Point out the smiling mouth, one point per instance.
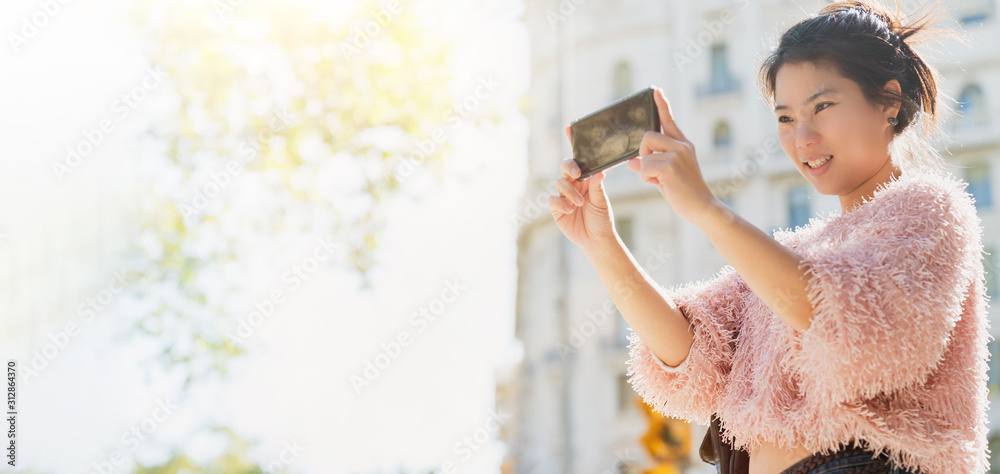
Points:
(819, 162)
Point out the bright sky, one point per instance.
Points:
(439, 389)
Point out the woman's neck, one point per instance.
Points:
(853, 199)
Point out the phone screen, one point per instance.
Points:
(612, 135)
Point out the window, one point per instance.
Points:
(622, 80)
(978, 177)
(798, 207)
(720, 69)
(974, 11)
(722, 141)
(721, 137)
(972, 111)
(721, 80)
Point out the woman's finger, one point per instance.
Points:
(649, 167)
(635, 164)
(569, 168)
(667, 116)
(568, 190)
(560, 204)
(657, 142)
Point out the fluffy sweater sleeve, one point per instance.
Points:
(886, 299)
(692, 390)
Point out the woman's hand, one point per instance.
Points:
(668, 161)
(581, 210)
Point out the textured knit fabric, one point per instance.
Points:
(896, 354)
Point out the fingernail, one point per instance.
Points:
(576, 170)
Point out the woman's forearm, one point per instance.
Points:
(660, 326)
(769, 269)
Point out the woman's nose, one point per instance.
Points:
(806, 135)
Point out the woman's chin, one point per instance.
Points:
(822, 188)
(824, 192)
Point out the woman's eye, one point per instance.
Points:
(782, 119)
(820, 106)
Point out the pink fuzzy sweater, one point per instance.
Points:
(895, 357)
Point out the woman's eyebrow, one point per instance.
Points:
(810, 99)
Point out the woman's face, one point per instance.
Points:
(822, 114)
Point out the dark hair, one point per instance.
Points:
(866, 43)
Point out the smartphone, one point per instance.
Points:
(612, 135)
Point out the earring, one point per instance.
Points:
(893, 121)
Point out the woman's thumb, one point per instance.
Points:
(596, 190)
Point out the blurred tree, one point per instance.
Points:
(232, 461)
(280, 128)
(279, 123)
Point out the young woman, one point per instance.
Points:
(858, 341)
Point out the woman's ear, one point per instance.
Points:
(893, 88)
